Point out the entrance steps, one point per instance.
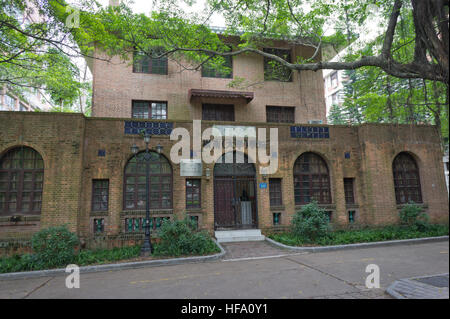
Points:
(230, 236)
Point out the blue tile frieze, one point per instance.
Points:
(310, 132)
(153, 128)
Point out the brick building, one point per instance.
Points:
(67, 168)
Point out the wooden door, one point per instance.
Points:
(224, 206)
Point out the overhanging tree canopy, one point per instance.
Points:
(254, 21)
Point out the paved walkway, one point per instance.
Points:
(253, 249)
(325, 275)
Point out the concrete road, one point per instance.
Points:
(338, 274)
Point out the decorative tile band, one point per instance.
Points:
(153, 128)
(310, 132)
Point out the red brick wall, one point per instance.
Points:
(69, 145)
(115, 86)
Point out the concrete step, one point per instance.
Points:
(228, 236)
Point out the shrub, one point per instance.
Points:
(311, 222)
(179, 237)
(54, 247)
(412, 216)
(343, 237)
(101, 256)
(17, 263)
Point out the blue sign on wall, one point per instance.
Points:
(262, 185)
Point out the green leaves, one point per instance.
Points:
(36, 50)
(179, 237)
(54, 247)
(310, 223)
(364, 235)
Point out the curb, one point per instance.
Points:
(391, 291)
(360, 245)
(416, 290)
(112, 267)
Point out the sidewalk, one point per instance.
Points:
(426, 287)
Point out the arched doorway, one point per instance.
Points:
(234, 194)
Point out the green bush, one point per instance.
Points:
(311, 222)
(101, 256)
(54, 247)
(343, 237)
(412, 216)
(179, 237)
(18, 263)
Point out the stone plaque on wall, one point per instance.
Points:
(191, 167)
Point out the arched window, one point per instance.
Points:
(21, 181)
(160, 193)
(406, 179)
(311, 180)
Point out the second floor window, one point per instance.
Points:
(218, 112)
(145, 63)
(334, 79)
(10, 102)
(280, 114)
(149, 110)
(274, 70)
(210, 71)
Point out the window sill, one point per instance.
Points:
(99, 213)
(142, 212)
(217, 77)
(150, 73)
(323, 206)
(194, 210)
(273, 208)
(23, 218)
(278, 81)
(423, 205)
(349, 206)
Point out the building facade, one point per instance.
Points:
(30, 100)
(333, 82)
(80, 171)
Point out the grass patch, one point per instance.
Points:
(367, 235)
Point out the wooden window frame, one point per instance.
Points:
(191, 190)
(321, 178)
(275, 192)
(280, 114)
(210, 72)
(268, 69)
(349, 190)
(160, 191)
(94, 195)
(149, 111)
(403, 179)
(216, 112)
(154, 66)
(20, 183)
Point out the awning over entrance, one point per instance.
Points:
(248, 96)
